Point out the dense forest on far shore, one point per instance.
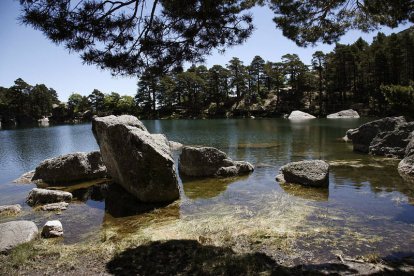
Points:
(376, 79)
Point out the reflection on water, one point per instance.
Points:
(367, 208)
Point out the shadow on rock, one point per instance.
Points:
(309, 193)
(204, 188)
(188, 257)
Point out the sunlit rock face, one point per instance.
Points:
(135, 159)
(313, 173)
(344, 114)
(209, 161)
(299, 115)
(43, 196)
(13, 233)
(69, 168)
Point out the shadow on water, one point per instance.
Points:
(202, 188)
(309, 193)
(189, 257)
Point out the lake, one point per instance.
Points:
(367, 210)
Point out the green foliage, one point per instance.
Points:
(400, 98)
(127, 37)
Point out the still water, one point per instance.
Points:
(368, 208)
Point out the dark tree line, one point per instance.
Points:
(374, 79)
(23, 103)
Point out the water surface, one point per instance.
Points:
(367, 209)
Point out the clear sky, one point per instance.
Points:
(26, 53)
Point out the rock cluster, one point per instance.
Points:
(208, 161)
(314, 173)
(71, 167)
(14, 233)
(344, 114)
(363, 136)
(299, 115)
(140, 162)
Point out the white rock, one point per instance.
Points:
(52, 228)
(299, 115)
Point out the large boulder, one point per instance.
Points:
(362, 136)
(299, 115)
(43, 196)
(14, 233)
(71, 167)
(392, 143)
(314, 173)
(344, 114)
(140, 162)
(209, 161)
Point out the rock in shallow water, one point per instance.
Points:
(344, 114)
(52, 229)
(363, 136)
(14, 233)
(314, 173)
(55, 206)
(43, 196)
(138, 161)
(10, 209)
(299, 115)
(71, 167)
(208, 161)
(406, 166)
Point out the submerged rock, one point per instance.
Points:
(71, 167)
(392, 143)
(10, 209)
(42, 196)
(209, 161)
(314, 173)
(52, 229)
(25, 178)
(59, 206)
(344, 114)
(299, 115)
(14, 233)
(362, 136)
(138, 161)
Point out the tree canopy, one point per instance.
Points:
(130, 35)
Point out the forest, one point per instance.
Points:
(372, 79)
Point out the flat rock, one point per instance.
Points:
(59, 206)
(299, 115)
(52, 229)
(209, 161)
(10, 209)
(362, 136)
(314, 173)
(43, 196)
(73, 167)
(344, 114)
(140, 162)
(14, 233)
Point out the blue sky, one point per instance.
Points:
(26, 53)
